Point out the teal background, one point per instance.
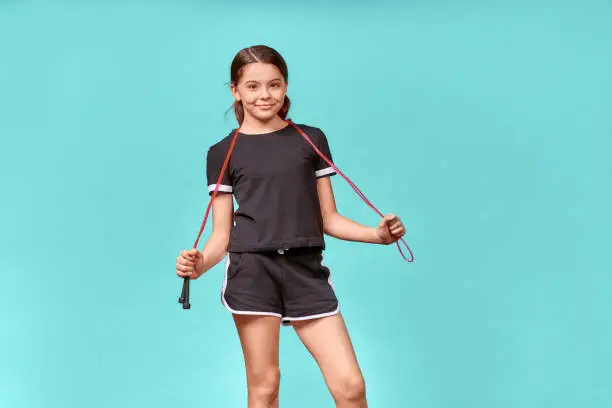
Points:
(484, 125)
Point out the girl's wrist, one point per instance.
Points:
(376, 238)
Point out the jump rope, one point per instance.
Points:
(184, 298)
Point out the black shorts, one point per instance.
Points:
(291, 284)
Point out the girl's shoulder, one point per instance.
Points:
(315, 132)
(223, 143)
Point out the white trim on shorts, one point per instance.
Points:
(287, 320)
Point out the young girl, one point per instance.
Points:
(274, 271)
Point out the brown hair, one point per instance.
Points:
(257, 53)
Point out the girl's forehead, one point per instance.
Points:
(259, 71)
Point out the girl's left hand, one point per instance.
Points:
(390, 229)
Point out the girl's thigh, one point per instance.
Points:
(259, 337)
(328, 341)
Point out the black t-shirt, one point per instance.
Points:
(273, 177)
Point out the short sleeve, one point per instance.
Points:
(322, 167)
(214, 162)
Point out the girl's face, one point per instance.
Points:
(261, 89)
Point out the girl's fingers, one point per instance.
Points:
(184, 261)
(183, 271)
(393, 221)
(187, 255)
(397, 231)
(185, 264)
(390, 218)
(395, 225)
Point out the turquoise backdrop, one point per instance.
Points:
(484, 124)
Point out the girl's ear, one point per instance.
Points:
(234, 91)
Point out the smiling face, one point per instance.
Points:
(261, 88)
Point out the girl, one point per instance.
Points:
(274, 272)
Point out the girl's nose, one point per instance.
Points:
(264, 93)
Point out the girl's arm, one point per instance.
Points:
(215, 248)
(389, 230)
(193, 263)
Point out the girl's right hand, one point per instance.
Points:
(190, 264)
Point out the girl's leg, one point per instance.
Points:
(259, 339)
(328, 341)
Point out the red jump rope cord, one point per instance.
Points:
(225, 163)
(355, 188)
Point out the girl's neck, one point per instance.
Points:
(254, 126)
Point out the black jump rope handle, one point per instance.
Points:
(184, 299)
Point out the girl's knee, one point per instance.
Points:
(264, 385)
(349, 388)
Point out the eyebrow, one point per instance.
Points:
(256, 82)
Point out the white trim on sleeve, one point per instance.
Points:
(324, 172)
(222, 187)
